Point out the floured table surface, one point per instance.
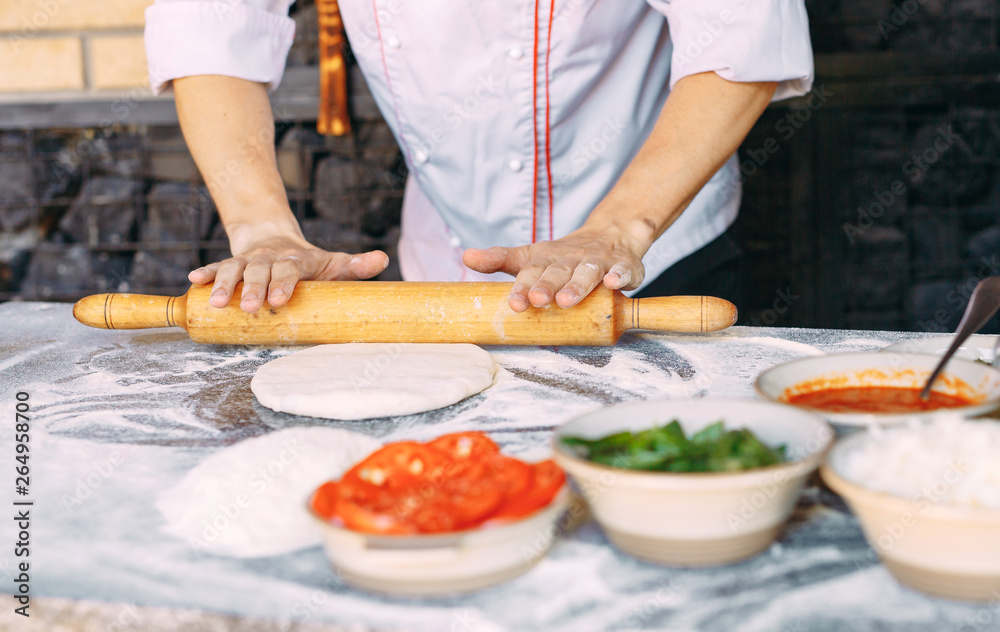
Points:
(118, 416)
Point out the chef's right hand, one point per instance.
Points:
(271, 266)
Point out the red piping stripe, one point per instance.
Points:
(534, 119)
(548, 150)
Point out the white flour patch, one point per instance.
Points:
(779, 343)
(249, 500)
(862, 344)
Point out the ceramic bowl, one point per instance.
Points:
(442, 564)
(695, 519)
(976, 381)
(976, 347)
(945, 551)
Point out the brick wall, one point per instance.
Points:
(73, 46)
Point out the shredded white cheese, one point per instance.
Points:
(948, 462)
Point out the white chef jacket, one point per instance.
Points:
(516, 117)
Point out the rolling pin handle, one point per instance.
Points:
(684, 314)
(131, 311)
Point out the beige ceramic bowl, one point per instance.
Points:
(946, 551)
(442, 564)
(977, 381)
(696, 519)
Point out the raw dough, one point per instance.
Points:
(249, 500)
(364, 380)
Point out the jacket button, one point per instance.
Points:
(515, 164)
(515, 53)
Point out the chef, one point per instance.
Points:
(566, 143)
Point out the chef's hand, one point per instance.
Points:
(270, 267)
(565, 270)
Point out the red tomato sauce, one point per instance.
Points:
(876, 399)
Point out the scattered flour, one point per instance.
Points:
(249, 500)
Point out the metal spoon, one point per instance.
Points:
(984, 302)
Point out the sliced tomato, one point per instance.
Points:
(381, 494)
(512, 477)
(373, 518)
(548, 479)
(472, 500)
(451, 505)
(325, 499)
(465, 445)
(410, 487)
(398, 465)
(454, 482)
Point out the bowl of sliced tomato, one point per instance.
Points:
(446, 516)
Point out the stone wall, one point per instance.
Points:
(123, 207)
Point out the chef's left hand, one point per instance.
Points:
(565, 270)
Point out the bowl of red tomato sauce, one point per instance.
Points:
(440, 517)
(882, 388)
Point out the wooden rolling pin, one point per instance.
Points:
(370, 311)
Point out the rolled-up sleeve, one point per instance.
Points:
(246, 39)
(741, 40)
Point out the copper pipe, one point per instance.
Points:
(334, 118)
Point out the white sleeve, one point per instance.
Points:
(248, 39)
(741, 40)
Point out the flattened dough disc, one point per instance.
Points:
(364, 380)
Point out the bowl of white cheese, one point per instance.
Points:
(928, 500)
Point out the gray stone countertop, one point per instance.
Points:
(118, 416)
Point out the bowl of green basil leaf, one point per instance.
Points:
(692, 482)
